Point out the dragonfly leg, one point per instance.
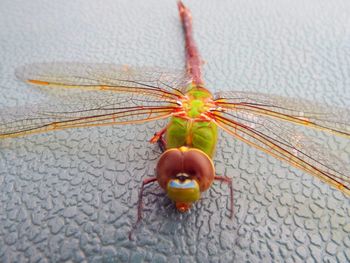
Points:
(227, 180)
(140, 203)
(162, 144)
(158, 138)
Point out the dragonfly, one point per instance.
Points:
(107, 94)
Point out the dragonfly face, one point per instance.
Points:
(184, 173)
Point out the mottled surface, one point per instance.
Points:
(71, 195)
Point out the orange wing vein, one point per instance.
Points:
(98, 95)
(281, 128)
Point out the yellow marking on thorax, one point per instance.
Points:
(194, 108)
(183, 148)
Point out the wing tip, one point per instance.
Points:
(24, 72)
(20, 73)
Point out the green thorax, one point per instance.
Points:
(196, 103)
(198, 92)
(190, 131)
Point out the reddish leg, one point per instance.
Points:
(194, 61)
(162, 144)
(140, 204)
(158, 138)
(227, 180)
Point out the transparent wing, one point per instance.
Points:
(107, 94)
(268, 123)
(297, 111)
(153, 82)
(83, 110)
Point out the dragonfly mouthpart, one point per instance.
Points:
(183, 207)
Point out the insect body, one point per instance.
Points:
(116, 95)
(186, 168)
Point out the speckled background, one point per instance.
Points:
(71, 195)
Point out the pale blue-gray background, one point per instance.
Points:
(71, 195)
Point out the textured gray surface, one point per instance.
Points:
(71, 195)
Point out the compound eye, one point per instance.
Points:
(199, 166)
(169, 165)
(185, 163)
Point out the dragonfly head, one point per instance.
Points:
(184, 173)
